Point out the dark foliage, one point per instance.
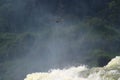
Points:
(28, 24)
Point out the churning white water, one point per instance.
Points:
(108, 72)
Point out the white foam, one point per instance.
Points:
(81, 73)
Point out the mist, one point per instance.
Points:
(56, 46)
(58, 34)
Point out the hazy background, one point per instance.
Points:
(39, 35)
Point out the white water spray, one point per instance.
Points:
(108, 72)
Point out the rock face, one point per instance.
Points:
(108, 72)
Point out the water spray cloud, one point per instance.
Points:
(107, 72)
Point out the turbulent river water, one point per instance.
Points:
(109, 72)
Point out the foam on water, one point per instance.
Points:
(108, 72)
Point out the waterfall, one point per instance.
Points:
(108, 72)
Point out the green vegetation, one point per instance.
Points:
(100, 33)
